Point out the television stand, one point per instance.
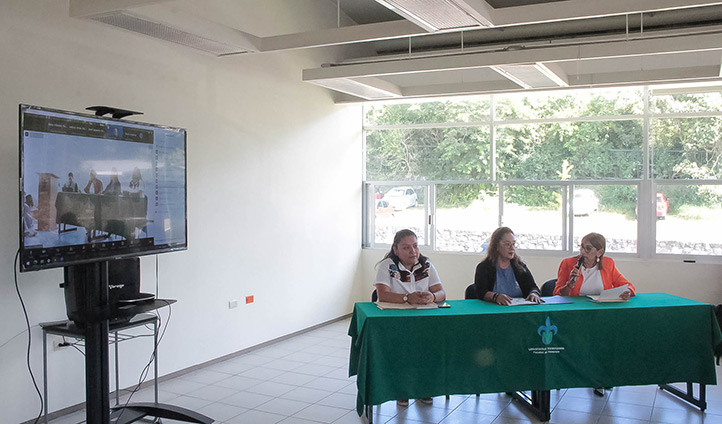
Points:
(136, 410)
(93, 318)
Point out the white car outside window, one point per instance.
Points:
(401, 198)
(585, 202)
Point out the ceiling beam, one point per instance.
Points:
(616, 79)
(368, 88)
(344, 35)
(692, 73)
(639, 47)
(478, 87)
(554, 72)
(518, 15)
(583, 9)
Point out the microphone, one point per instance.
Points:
(577, 266)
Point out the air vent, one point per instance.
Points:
(436, 15)
(531, 76)
(164, 32)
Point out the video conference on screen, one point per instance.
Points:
(91, 185)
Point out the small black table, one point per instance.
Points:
(96, 358)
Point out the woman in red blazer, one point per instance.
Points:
(591, 271)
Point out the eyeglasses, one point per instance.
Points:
(508, 244)
(588, 248)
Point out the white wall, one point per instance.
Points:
(274, 194)
(702, 282)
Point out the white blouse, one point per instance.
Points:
(391, 275)
(591, 281)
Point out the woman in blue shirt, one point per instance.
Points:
(502, 276)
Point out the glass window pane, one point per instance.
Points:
(580, 150)
(397, 208)
(471, 109)
(428, 153)
(686, 148)
(534, 213)
(466, 215)
(570, 104)
(609, 210)
(688, 218)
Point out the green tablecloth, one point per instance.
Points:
(478, 347)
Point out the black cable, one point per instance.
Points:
(144, 372)
(74, 345)
(30, 337)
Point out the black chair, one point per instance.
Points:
(470, 292)
(548, 287)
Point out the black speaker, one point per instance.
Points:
(92, 291)
(123, 280)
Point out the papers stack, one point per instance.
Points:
(611, 295)
(548, 300)
(389, 305)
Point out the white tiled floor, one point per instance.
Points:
(303, 379)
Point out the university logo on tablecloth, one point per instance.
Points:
(547, 331)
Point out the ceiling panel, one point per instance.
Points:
(610, 42)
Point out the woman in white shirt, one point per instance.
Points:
(407, 276)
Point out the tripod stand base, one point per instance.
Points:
(137, 410)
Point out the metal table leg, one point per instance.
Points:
(117, 384)
(45, 375)
(688, 396)
(539, 403)
(155, 358)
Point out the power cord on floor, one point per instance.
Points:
(30, 337)
(146, 369)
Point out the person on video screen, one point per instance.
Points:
(95, 183)
(113, 187)
(29, 221)
(136, 186)
(70, 185)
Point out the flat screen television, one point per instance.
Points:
(95, 189)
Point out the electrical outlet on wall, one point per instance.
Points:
(58, 343)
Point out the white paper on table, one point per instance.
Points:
(516, 301)
(611, 295)
(389, 305)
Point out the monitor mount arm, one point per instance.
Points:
(113, 111)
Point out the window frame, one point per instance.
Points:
(647, 186)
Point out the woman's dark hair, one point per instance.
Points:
(492, 252)
(400, 235)
(600, 243)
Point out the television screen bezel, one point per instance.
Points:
(101, 255)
